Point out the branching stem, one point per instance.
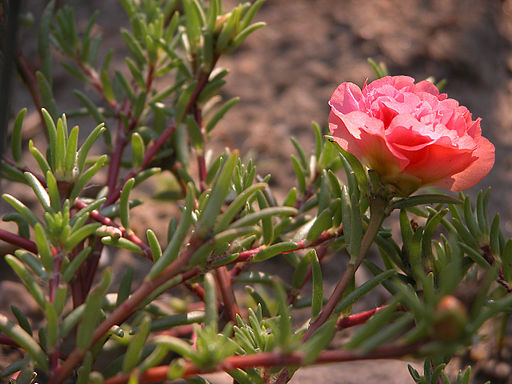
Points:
(378, 211)
(270, 359)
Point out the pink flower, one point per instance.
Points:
(410, 134)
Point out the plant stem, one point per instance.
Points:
(378, 211)
(270, 359)
(292, 296)
(130, 306)
(358, 318)
(301, 244)
(148, 156)
(17, 240)
(228, 295)
(96, 215)
(115, 159)
(28, 76)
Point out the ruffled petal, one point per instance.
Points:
(346, 98)
(483, 161)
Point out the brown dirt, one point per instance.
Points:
(286, 72)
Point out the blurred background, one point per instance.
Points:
(286, 72)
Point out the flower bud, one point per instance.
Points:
(450, 319)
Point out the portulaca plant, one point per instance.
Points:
(383, 144)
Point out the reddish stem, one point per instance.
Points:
(130, 306)
(310, 191)
(197, 290)
(17, 240)
(179, 331)
(271, 359)
(292, 296)
(115, 159)
(358, 318)
(27, 73)
(96, 215)
(41, 179)
(6, 340)
(91, 266)
(378, 211)
(328, 308)
(302, 244)
(227, 293)
(95, 82)
(148, 156)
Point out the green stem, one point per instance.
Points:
(378, 212)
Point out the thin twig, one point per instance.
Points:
(148, 157)
(227, 292)
(271, 359)
(28, 76)
(130, 306)
(358, 318)
(17, 240)
(301, 244)
(97, 216)
(377, 214)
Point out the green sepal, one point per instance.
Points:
(228, 29)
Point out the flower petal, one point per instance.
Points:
(346, 98)
(484, 160)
